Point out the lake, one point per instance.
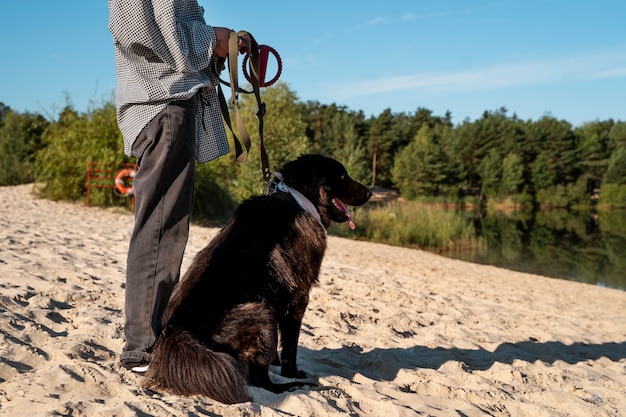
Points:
(587, 247)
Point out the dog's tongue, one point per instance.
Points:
(341, 206)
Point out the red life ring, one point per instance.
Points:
(123, 178)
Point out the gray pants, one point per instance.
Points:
(163, 186)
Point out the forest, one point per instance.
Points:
(497, 158)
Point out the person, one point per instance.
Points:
(169, 116)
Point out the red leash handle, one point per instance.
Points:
(264, 51)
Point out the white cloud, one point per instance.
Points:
(596, 66)
(612, 73)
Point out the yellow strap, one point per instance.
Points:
(243, 143)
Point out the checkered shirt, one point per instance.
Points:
(163, 53)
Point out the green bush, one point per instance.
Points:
(70, 144)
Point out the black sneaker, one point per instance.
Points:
(137, 366)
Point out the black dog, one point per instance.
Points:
(251, 283)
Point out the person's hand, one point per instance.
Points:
(221, 47)
(244, 42)
(222, 35)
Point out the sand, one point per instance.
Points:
(388, 332)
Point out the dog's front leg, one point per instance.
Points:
(289, 334)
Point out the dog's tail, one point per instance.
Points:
(183, 366)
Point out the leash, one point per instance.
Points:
(264, 52)
(256, 59)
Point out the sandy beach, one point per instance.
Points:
(388, 332)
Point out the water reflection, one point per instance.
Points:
(587, 247)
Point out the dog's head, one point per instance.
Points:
(326, 183)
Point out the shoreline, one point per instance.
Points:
(388, 331)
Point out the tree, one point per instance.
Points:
(616, 169)
(555, 141)
(380, 145)
(541, 173)
(421, 168)
(490, 170)
(349, 147)
(424, 117)
(512, 175)
(321, 130)
(473, 141)
(617, 136)
(20, 140)
(593, 151)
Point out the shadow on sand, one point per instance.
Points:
(384, 364)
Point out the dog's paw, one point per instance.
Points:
(297, 374)
(301, 375)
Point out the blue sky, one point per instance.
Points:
(562, 57)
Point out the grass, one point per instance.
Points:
(412, 224)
